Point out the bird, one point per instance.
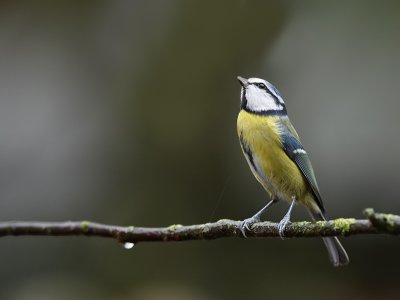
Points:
(278, 160)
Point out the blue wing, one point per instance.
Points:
(295, 150)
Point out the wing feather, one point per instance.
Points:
(295, 150)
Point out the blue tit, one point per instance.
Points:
(277, 158)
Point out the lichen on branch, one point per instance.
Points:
(375, 223)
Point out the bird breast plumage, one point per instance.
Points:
(262, 147)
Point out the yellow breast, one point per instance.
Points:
(279, 175)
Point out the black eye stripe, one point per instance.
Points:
(264, 87)
(260, 85)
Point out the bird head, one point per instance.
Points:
(260, 97)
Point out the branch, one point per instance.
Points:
(375, 223)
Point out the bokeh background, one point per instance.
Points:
(124, 112)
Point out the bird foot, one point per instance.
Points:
(282, 226)
(247, 223)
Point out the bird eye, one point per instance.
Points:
(261, 85)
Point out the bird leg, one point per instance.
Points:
(286, 219)
(246, 224)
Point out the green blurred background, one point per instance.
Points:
(124, 112)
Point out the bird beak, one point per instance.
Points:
(243, 81)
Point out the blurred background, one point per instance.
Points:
(124, 112)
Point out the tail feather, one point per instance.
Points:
(336, 252)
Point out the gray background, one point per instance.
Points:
(125, 112)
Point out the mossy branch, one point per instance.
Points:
(374, 224)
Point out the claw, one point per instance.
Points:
(282, 226)
(286, 220)
(246, 225)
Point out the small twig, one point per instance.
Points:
(376, 223)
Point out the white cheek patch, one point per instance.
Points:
(260, 100)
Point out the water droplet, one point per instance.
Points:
(128, 245)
